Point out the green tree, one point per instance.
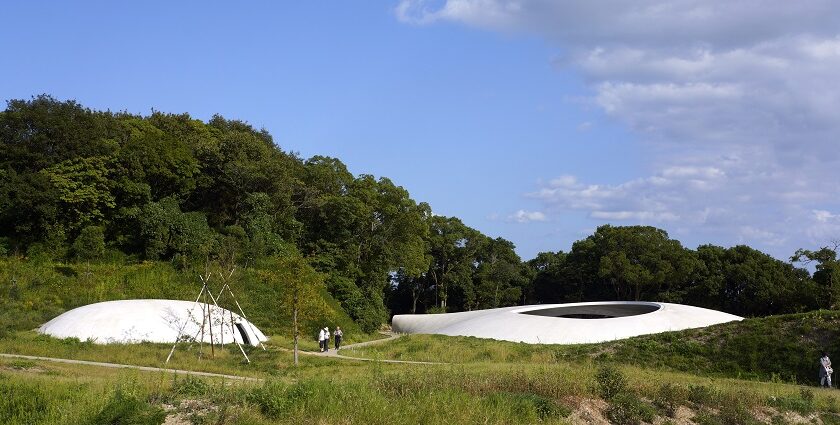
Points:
(166, 231)
(500, 277)
(827, 272)
(299, 284)
(90, 244)
(453, 248)
(641, 262)
(83, 189)
(629, 263)
(756, 284)
(548, 281)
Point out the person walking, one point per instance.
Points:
(326, 339)
(825, 370)
(337, 336)
(321, 340)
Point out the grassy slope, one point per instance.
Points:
(490, 382)
(494, 383)
(32, 293)
(329, 391)
(780, 347)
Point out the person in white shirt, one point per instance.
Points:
(337, 336)
(321, 339)
(326, 339)
(825, 370)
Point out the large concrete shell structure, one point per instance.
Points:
(575, 323)
(132, 321)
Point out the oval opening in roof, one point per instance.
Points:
(596, 311)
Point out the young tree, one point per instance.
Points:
(300, 285)
(90, 244)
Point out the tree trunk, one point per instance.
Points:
(414, 299)
(294, 318)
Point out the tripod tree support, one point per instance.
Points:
(215, 316)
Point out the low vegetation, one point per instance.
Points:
(333, 391)
(98, 206)
(776, 348)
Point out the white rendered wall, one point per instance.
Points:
(131, 321)
(512, 324)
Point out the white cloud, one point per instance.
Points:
(737, 100)
(750, 234)
(824, 216)
(523, 216)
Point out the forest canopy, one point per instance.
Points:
(83, 185)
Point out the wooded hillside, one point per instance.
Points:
(98, 186)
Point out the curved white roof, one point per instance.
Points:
(131, 321)
(574, 323)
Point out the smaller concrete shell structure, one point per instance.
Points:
(575, 323)
(132, 321)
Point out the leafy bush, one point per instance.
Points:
(276, 399)
(270, 398)
(627, 409)
(831, 405)
(190, 386)
(529, 405)
(830, 419)
(90, 244)
(610, 382)
(669, 397)
(733, 412)
(128, 409)
(702, 395)
(803, 403)
(21, 403)
(706, 418)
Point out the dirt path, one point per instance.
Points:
(332, 354)
(337, 353)
(126, 366)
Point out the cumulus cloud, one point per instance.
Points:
(737, 100)
(523, 216)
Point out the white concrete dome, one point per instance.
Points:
(132, 321)
(574, 323)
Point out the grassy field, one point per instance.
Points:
(776, 348)
(739, 373)
(485, 382)
(325, 390)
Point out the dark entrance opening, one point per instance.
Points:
(241, 328)
(595, 311)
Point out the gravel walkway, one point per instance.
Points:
(127, 366)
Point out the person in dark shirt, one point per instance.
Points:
(337, 335)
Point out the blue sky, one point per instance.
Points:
(531, 120)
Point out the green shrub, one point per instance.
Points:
(270, 398)
(807, 395)
(830, 419)
(778, 420)
(628, 409)
(128, 409)
(90, 244)
(706, 418)
(527, 405)
(276, 399)
(831, 405)
(669, 397)
(733, 412)
(190, 386)
(803, 403)
(702, 395)
(21, 403)
(610, 382)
